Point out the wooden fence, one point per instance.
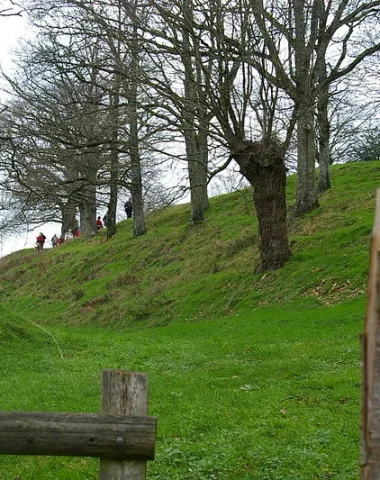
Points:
(370, 441)
(122, 436)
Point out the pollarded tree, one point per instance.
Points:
(237, 97)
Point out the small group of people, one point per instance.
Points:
(55, 240)
(104, 223)
(69, 235)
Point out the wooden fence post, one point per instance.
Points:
(370, 441)
(124, 393)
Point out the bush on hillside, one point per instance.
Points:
(367, 146)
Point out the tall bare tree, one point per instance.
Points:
(64, 129)
(316, 35)
(236, 97)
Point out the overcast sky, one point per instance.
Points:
(11, 29)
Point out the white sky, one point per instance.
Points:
(11, 29)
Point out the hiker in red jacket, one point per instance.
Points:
(99, 223)
(40, 241)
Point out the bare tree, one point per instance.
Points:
(325, 41)
(237, 98)
(233, 76)
(60, 130)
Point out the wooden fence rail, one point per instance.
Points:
(122, 436)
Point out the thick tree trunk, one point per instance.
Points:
(69, 220)
(263, 165)
(324, 182)
(195, 124)
(139, 227)
(198, 189)
(306, 195)
(88, 216)
(87, 206)
(197, 157)
(114, 165)
(203, 165)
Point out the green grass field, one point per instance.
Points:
(252, 376)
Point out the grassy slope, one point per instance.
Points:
(266, 386)
(180, 273)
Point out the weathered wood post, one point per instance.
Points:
(124, 393)
(122, 436)
(370, 442)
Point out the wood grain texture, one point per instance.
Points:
(77, 434)
(124, 393)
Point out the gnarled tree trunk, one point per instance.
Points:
(263, 165)
(69, 221)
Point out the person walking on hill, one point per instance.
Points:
(69, 235)
(54, 240)
(40, 240)
(99, 223)
(128, 208)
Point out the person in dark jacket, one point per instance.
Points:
(54, 240)
(128, 208)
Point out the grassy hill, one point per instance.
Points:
(252, 376)
(181, 273)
